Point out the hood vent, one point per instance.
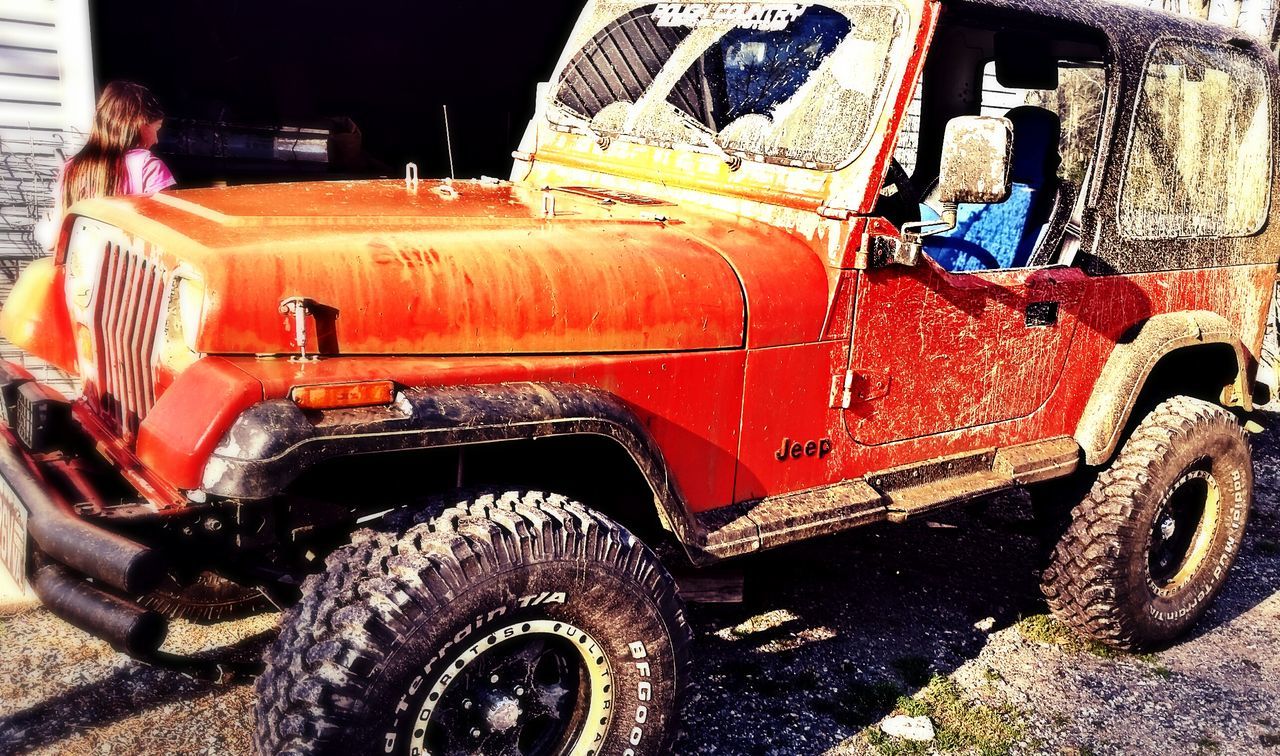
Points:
(612, 195)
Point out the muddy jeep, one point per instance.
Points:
(762, 272)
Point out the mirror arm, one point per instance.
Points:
(917, 231)
(908, 250)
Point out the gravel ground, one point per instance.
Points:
(937, 619)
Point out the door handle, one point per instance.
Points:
(1041, 314)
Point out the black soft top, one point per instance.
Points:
(1130, 28)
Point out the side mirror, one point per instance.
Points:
(977, 154)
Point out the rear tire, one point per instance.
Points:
(1151, 544)
(521, 623)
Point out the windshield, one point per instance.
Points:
(792, 83)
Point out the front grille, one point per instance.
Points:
(126, 322)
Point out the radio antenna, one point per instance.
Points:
(448, 142)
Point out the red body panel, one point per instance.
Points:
(956, 349)
(789, 390)
(190, 418)
(721, 307)
(690, 403)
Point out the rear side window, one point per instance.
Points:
(1200, 160)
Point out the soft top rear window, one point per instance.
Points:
(1200, 158)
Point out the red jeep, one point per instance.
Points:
(763, 272)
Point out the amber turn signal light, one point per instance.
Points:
(338, 395)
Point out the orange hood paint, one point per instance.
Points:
(447, 269)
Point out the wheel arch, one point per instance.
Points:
(273, 444)
(1144, 368)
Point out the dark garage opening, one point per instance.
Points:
(231, 73)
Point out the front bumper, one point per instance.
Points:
(83, 572)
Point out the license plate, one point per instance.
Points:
(13, 536)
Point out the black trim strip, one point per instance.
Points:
(272, 443)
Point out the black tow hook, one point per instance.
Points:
(128, 627)
(69, 539)
(120, 622)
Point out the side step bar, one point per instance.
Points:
(926, 487)
(778, 520)
(896, 495)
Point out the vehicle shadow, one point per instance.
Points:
(130, 689)
(832, 632)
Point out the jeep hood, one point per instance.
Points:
(461, 268)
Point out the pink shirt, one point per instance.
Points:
(146, 173)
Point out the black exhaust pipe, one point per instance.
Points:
(125, 625)
(67, 538)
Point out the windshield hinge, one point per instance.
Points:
(835, 213)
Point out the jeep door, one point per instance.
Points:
(935, 351)
(978, 333)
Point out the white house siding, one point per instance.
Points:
(46, 103)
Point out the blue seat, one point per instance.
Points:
(993, 237)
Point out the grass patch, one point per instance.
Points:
(962, 726)
(1156, 666)
(1043, 628)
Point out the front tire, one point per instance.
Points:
(521, 624)
(1151, 545)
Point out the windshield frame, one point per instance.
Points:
(599, 14)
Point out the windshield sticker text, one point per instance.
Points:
(755, 16)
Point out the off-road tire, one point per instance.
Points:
(207, 599)
(380, 631)
(1101, 580)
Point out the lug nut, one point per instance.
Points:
(519, 691)
(493, 679)
(466, 704)
(475, 732)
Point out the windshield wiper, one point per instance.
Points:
(602, 139)
(707, 139)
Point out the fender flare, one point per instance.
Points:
(273, 442)
(1131, 362)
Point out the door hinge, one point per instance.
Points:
(858, 386)
(842, 390)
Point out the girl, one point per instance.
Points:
(117, 158)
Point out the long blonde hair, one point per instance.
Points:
(99, 169)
